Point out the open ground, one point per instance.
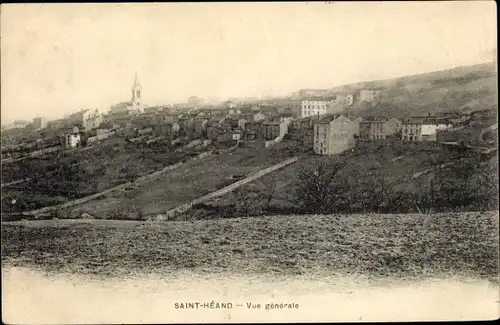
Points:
(409, 246)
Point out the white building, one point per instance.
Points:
(87, 118)
(236, 135)
(313, 108)
(428, 130)
(73, 139)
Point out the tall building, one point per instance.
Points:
(313, 107)
(125, 110)
(334, 134)
(136, 101)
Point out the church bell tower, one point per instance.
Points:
(136, 96)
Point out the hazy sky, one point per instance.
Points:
(56, 59)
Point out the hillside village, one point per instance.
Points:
(316, 161)
(266, 120)
(309, 122)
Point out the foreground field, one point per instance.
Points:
(401, 246)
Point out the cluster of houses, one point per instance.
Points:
(310, 117)
(334, 134)
(328, 133)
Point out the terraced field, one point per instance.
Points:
(190, 181)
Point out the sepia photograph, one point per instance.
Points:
(239, 162)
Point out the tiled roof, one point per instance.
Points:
(328, 118)
(427, 120)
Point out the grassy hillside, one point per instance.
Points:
(179, 186)
(66, 175)
(377, 177)
(463, 89)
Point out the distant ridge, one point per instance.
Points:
(464, 88)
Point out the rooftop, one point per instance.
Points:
(326, 119)
(427, 120)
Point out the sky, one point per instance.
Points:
(59, 58)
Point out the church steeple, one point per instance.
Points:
(136, 96)
(136, 81)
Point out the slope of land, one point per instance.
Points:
(466, 89)
(59, 177)
(182, 185)
(378, 177)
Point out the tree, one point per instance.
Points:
(317, 187)
(242, 204)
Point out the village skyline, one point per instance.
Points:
(215, 61)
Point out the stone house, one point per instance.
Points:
(87, 118)
(334, 134)
(270, 130)
(423, 129)
(378, 128)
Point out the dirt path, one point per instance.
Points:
(225, 190)
(418, 174)
(31, 154)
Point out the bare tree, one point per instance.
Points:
(317, 186)
(242, 205)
